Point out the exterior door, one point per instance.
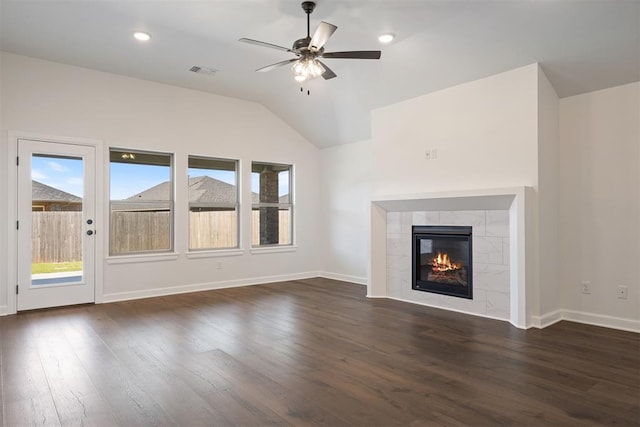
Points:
(56, 224)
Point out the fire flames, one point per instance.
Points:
(442, 262)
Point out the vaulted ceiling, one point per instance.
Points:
(582, 46)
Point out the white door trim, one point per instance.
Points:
(12, 193)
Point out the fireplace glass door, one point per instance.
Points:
(442, 260)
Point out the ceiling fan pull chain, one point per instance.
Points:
(302, 90)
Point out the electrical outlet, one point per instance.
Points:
(431, 154)
(586, 287)
(623, 292)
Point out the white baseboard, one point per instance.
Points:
(4, 310)
(344, 277)
(548, 319)
(611, 322)
(602, 320)
(174, 290)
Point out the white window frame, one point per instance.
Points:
(235, 205)
(288, 206)
(170, 204)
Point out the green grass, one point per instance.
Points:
(56, 267)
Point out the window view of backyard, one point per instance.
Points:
(141, 190)
(141, 202)
(213, 203)
(272, 205)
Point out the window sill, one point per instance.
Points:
(273, 249)
(215, 253)
(130, 259)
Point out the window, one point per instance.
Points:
(141, 202)
(213, 203)
(272, 204)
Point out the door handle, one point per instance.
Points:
(89, 232)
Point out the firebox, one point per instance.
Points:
(442, 260)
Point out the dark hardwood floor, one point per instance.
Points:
(309, 352)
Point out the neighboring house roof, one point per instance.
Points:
(202, 189)
(43, 193)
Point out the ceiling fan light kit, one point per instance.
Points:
(310, 49)
(307, 68)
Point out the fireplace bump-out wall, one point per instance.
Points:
(504, 281)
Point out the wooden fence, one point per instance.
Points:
(283, 229)
(57, 236)
(202, 224)
(140, 232)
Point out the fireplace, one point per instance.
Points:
(442, 260)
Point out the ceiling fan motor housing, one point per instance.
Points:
(301, 44)
(308, 6)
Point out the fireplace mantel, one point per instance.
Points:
(519, 201)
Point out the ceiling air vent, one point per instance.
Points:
(203, 70)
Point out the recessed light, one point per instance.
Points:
(143, 37)
(386, 38)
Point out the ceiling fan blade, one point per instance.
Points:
(322, 34)
(265, 44)
(328, 72)
(355, 54)
(276, 65)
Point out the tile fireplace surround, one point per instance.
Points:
(490, 243)
(500, 224)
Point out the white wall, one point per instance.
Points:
(548, 300)
(54, 99)
(485, 132)
(4, 178)
(600, 197)
(346, 194)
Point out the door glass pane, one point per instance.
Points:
(56, 225)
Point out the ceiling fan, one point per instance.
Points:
(308, 51)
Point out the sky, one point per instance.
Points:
(126, 179)
(62, 173)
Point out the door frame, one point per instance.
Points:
(12, 190)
